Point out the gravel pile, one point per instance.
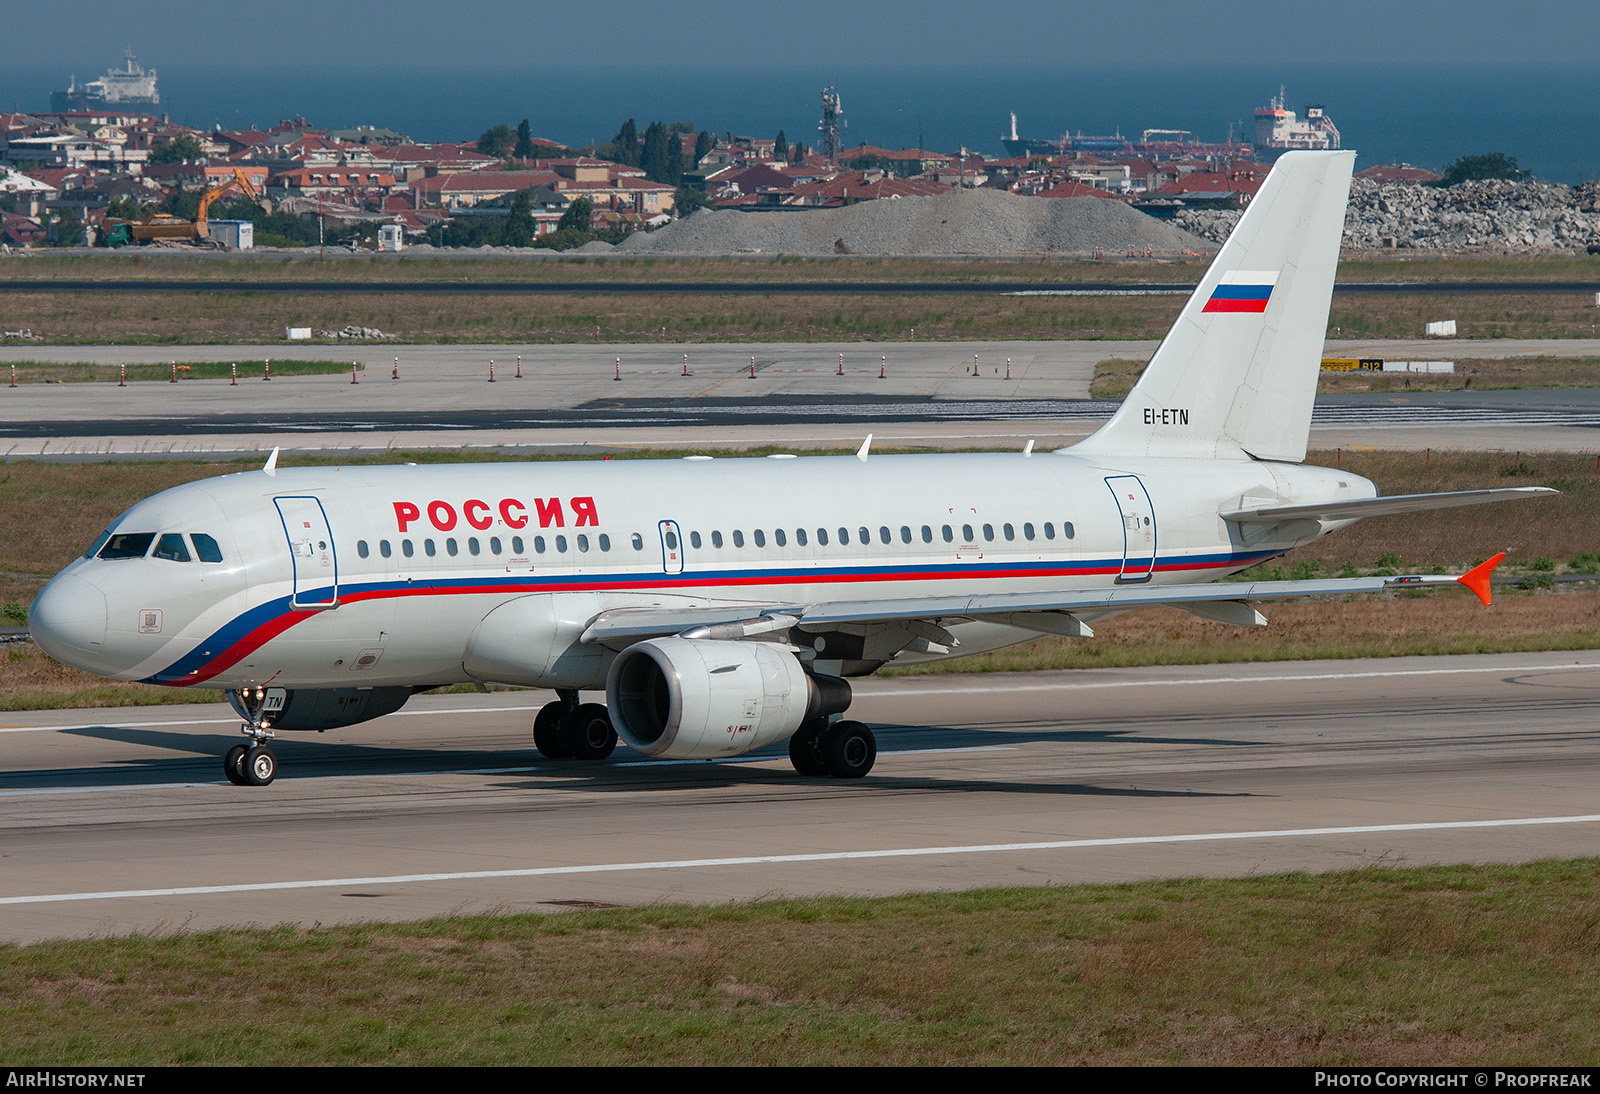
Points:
(1494, 216)
(961, 222)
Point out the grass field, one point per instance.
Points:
(1433, 966)
(88, 372)
(209, 318)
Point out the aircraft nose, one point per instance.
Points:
(68, 619)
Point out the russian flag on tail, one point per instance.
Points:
(1242, 290)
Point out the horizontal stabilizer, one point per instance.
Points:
(1383, 507)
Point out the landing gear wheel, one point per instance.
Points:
(547, 736)
(805, 748)
(849, 749)
(260, 766)
(233, 764)
(588, 732)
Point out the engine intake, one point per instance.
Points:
(685, 698)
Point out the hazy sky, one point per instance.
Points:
(82, 35)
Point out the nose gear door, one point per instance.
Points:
(311, 553)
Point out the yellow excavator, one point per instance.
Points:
(166, 228)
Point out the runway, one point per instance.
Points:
(800, 394)
(118, 821)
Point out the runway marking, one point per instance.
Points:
(771, 860)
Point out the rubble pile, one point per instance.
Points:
(353, 331)
(1495, 216)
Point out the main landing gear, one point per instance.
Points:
(843, 749)
(569, 730)
(252, 764)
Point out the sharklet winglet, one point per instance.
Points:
(1477, 578)
(272, 463)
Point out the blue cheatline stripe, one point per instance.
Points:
(277, 615)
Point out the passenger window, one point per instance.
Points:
(694, 539)
(988, 533)
(779, 538)
(472, 545)
(605, 542)
(1067, 530)
(949, 535)
(822, 537)
(207, 548)
(672, 539)
(1027, 531)
(538, 545)
(966, 534)
(905, 533)
(716, 539)
(128, 545)
(927, 534)
(583, 542)
(561, 544)
(494, 545)
(361, 548)
(1009, 532)
(1049, 530)
(883, 533)
(516, 545)
(406, 548)
(450, 547)
(428, 548)
(865, 536)
(638, 542)
(760, 537)
(738, 538)
(171, 547)
(844, 537)
(384, 548)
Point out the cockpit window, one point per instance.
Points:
(128, 545)
(172, 548)
(100, 541)
(207, 548)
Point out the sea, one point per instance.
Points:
(1428, 114)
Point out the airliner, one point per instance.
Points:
(723, 605)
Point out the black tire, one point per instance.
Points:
(260, 766)
(805, 748)
(233, 764)
(849, 749)
(588, 732)
(548, 737)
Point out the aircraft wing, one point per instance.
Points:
(1382, 507)
(1048, 612)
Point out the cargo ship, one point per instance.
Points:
(127, 88)
(1279, 129)
(1155, 144)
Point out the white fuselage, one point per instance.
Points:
(379, 576)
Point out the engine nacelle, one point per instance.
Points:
(684, 698)
(316, 709)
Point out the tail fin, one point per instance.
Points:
(1236, 374)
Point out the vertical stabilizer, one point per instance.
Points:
(1236, 375)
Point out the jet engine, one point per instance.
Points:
(685, 698)
(316, 708)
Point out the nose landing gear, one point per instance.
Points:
(252, 764)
